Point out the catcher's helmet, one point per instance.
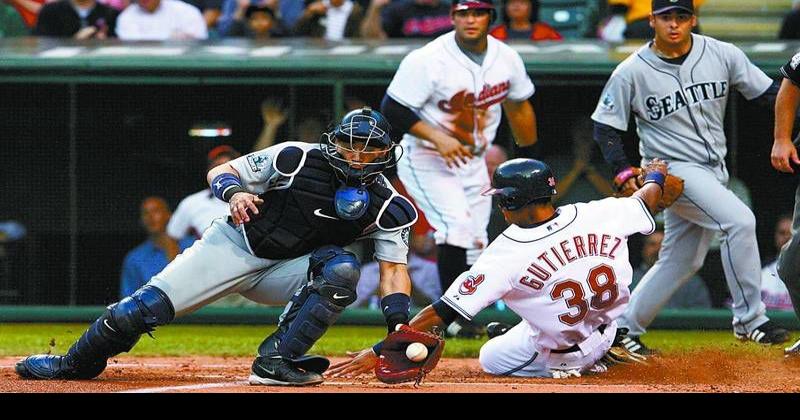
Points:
(365, 132)
(521, 181)
(475, 4)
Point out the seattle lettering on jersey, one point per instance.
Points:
(569, 251)
(490, 95)
(658, 108)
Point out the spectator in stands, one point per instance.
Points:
(11, 23)
(256, 22)
(406, 19)
(160, 20)
(274, 116)
(773, 290)
(211, 11)
(790, 28)
(79, 19)
(521, 21)
(196, 212)
(149, 258)
(28, 9)
(630, 19)
(693, 294)
(118, 5)
(332, 20)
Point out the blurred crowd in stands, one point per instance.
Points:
(333, 20)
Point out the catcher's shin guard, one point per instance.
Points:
(119, 328)
(333, 275)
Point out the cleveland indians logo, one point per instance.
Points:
(470, 284)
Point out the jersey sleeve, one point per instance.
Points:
(392, 246)
(745, 77)
(614, 107)
(627, 215)
(486, 282)
(178, 225)
(256, 169)
(790, 69)
(522, 87)
(412, 85)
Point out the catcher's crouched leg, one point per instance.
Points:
(333, 275)
(116, 331)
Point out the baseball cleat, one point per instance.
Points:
(767, 333)
(631, 343)
(793, 350)
(277, 371)
(47, 366)
(464, 328)
(495, 329)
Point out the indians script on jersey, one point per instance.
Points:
(468, 113)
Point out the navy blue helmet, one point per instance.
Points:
(360, 147)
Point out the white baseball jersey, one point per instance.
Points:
(680, 109)
(448, 90)
(258, 175)
(565, 277)
(195, 214)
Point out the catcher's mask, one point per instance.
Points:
(359, 148)
(518, 182)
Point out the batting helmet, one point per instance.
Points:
(475, 4)
(518, 182)
(364, 132)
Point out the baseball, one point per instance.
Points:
(416, 352)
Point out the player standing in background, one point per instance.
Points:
(564, 271)
(196, 212)
(784, 158)
(677, 86)
(293, 207)
(446, 98)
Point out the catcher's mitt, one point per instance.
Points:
(394, 367)
(673, 186)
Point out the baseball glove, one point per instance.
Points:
(673, 186)
(394, 367)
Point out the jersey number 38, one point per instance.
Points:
(603, 284)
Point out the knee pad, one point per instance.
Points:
(119, 328)
(333, 277)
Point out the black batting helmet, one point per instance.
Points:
(518, 182)
(475, 4)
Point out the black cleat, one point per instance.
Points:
(767, 333)
(278, 371)
(46, 366)
(496, 329)
(631, 343)
(793, 351)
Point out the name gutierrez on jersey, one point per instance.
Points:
(557, 257)
(658, 108)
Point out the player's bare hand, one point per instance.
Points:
(360, 362)
(317, 8)
(453, 152)
(783, 155)
(241, 203)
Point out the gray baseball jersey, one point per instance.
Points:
(679, 109)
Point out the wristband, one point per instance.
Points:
(225, 186)
(624, 175)
(396, 308)
(655, 177)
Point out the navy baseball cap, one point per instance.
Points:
(663, 6)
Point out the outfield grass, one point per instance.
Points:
(242, 340)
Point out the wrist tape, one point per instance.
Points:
(225, 186)
(655, 177)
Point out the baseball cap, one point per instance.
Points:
(253, 8)
(472, 4)
(663, 6)
(222, 150)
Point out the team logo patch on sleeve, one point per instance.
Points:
(608, 102)
(257, 162)
(405, 235)
(470, 284)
